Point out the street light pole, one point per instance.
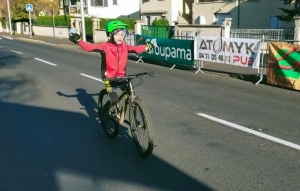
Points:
(30, 25)
(239, 13)
(82, 21)
(53, 19)
(9, 18)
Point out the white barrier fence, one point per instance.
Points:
(233, 51)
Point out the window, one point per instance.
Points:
(75, 7)
(99, 3)
(115, 2)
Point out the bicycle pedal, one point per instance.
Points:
(140, 127)
(121, 119)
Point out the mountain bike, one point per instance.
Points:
(112, 116)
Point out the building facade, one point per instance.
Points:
(172, 10)
(244, 13)
(102, 8)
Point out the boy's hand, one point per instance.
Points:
(74, 37)
(149, 46)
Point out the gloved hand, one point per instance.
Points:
(149, 46)
(74, 37)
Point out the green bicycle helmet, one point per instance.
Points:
(113, 25)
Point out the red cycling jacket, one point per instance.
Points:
(116, 56)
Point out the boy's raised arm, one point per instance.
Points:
(76, 38)
(141, 48)
(90, 47)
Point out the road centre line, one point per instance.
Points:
(88, 76)
(259, 134)
(45, 61)
(16, 52)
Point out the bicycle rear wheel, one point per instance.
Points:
(109, 124)
(141, 127)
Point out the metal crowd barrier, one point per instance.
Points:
(264, 53)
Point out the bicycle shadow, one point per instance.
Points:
(8, 59)
(91, 106)
(50, 149)
(86, 100)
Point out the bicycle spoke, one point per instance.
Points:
(140, 128)
(107, 116)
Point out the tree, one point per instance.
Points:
(160, 22)
(288, 14)
(46, 7)
(18, 10)
(3, 8)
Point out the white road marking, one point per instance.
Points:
(1, 46)
(45, 61)
(8, 38)
(16, 52)
(88, 76)
(259, 134)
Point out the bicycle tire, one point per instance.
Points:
(110, 126)
(141, 127)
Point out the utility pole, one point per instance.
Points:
(30, 25)
(9, 18)
(53, 22)
(29, 8)
(82, 21)
(239, 13)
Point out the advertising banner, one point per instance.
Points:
(179, 52)
(284, 65)
(234, 51)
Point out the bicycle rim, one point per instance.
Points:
(109, 125)
(141, 128)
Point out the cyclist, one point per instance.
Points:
(114, 53)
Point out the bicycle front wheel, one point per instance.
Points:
(106, 113)
(141, 127)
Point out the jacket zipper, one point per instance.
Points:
(118, 59)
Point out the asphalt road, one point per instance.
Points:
(55, 143)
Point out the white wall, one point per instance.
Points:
(253, 14)
(124, 8)
(174, 11)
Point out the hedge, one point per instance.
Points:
(129, 22)
(160, 22)
(64, 20)
(3, 22)
(60, 20)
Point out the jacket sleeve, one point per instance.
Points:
(90, 47)
(138, 49)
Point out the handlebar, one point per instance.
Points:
(131, 76)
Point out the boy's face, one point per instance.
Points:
(119, 37)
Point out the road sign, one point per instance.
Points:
(29, 7)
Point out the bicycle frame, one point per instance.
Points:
(112, 116)
(129, 95)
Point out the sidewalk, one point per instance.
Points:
(41, 39)
(226, 70)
